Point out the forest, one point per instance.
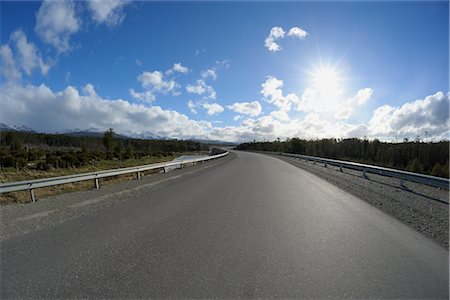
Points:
(415, 156)
(52, 151)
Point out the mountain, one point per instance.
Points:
(89, 132)
(97, 132)
(23, 128)
(142, 135)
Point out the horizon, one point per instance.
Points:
(228, 71)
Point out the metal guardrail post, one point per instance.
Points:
(340, 168)
(138, 175)
(32, 195)
(96, 184)
(364, 174)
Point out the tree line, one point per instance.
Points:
(45, 151)
(415, 156)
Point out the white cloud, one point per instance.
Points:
(429, 116)
(297, 32)
(191, 105)
(225, 63)
(275, 33)
(155, 81)
(8, 67)
(28, 55)
(269, 128)
(146, 96)
(55, 22)
(362, 96)
(332, 104)
(48, 111)
(252, 109)
(177, 67)
(271, 90)
(45, 110)
(201, 88)
(280, 115)
(109, 12)
(209, 73)
(213, 108)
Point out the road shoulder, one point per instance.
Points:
(421, 207)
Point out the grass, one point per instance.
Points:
(11, 174)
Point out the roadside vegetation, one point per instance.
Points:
(415, 156)
(25, 156)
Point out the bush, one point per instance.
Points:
(8, 161)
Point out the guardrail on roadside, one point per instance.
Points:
(401, 175)
(30, 185)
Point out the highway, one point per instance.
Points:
(252, 227)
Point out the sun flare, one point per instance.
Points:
(326, 79)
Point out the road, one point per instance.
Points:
(254, 226)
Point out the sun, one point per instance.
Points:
(326, 79)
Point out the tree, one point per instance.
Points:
(108, 140)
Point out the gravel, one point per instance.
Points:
(421, 207)
(18, 219)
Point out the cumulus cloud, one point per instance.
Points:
(252, 109)
(209, 73)
(278, 33)
(56, 21)
(272, 91)
(201, 88)
(332, 104)
(8, 67)
(155, 80)
(280, 115)
(48, 111)
(177, 67)
(146, 96)
(191, 105)
(270, 127)
(275, 34)
(297, 32)
(109, 12)
(429, 116)
(213, 108)
(28, 55)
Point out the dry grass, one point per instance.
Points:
(27, 174)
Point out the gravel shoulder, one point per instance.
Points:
(424, 208)
(23, 218)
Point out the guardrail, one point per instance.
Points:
(30, 185)
(434, 181)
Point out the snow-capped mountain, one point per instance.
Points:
(5, 127)
(98, 132)
(142, 135)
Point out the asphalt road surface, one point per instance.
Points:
(254, 226)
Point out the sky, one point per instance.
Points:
(232, 71)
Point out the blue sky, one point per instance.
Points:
(232, 71)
